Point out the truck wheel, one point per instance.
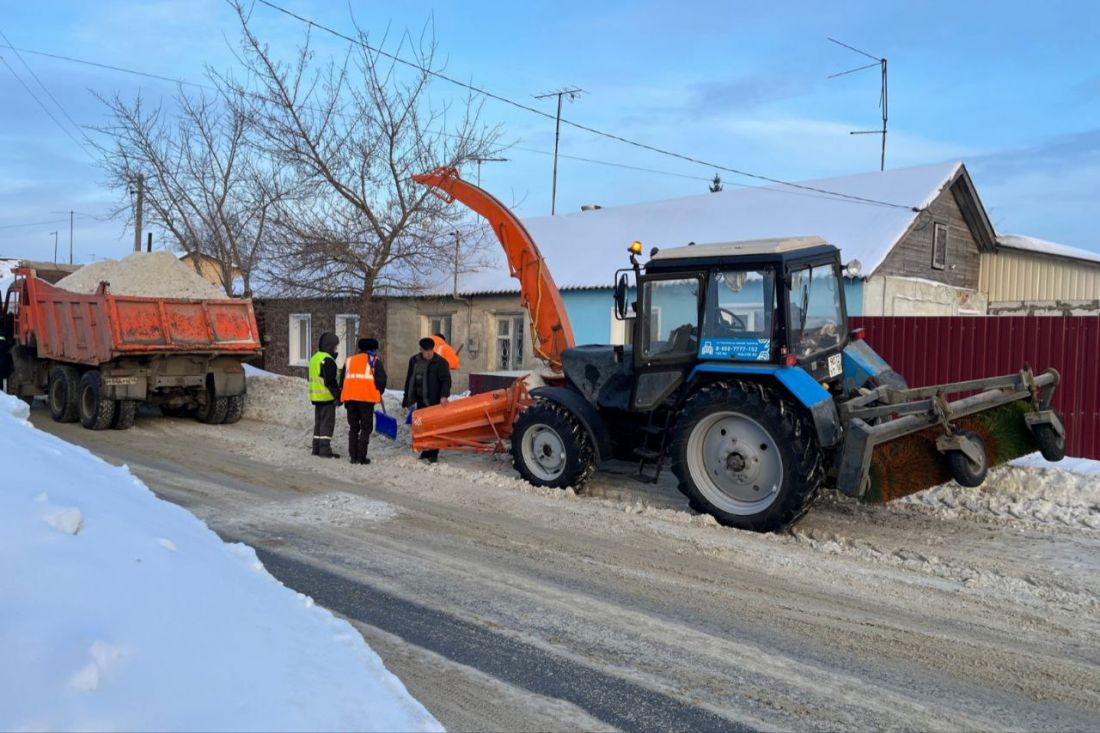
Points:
(234, 409)
(550, 447)
(96, 411)
(125, 412)
(1051, 444)
(62, 393)
(213, 410)
(964, 470)
(747, 455)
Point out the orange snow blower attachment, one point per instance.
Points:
(480, 423)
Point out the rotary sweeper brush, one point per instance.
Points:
(743, 376)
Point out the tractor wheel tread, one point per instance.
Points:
(580, 456)
(789, 424)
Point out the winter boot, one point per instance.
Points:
(316, 447)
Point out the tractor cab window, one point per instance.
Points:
(739, 315)
(816, 317)
(670, 316)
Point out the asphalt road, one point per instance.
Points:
(503, 608)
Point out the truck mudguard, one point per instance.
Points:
(798, 383)
(585, 411)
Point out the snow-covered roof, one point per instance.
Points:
(1031, 244)
(584, 249)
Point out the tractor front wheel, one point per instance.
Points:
(747, 455)
(550, 447)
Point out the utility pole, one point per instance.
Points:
(138, 205)
(70, 236)
(572, 93)
(54, 247)
(480, 160)
(458, 241)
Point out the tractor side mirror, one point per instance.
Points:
(621, 288)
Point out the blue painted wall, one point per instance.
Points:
(590, 313)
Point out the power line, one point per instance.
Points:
(44, 88)
(34, 224)
(577, 125)
(43, 106)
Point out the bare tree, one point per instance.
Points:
(353, 132)
(204, 183)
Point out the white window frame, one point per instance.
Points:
(938, 227)
(294, 339)
(346, 347)
(512, 319)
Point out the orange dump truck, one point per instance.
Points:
(97, 357)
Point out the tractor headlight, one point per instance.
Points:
(853, 268)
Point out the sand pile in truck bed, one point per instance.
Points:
(145, 274)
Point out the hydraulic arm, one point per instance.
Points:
(551, 332)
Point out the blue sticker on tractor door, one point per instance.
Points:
(740, 349)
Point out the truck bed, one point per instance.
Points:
(95, 329)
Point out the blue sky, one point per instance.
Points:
(1011, 88)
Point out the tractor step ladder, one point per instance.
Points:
(651, 453)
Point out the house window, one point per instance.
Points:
(440, 324)
(510, 337)
(347, 329)
(300, 342)
(939, 247)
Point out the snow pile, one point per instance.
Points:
(145, 274)
(251, 371)
(6, 277)
(1050, 496)
(121, 611)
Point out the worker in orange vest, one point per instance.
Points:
(444, 349)
(362, 380)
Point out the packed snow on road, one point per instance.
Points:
(122, 611)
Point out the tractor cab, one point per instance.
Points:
(761, 303)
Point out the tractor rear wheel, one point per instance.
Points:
(747, 455)
(62, 393)
(550, 447)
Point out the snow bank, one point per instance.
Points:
(1066, 493)
(6, 278)
(121, 611)
(251, 371)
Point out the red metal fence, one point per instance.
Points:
(933, 350)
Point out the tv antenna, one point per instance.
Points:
(572, 93)
(883, 98)
(481, 159)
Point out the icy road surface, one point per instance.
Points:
(506, 607)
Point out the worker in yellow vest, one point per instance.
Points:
(444, 349)
(323, 393)
(362, 380)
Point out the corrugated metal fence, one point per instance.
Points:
(934, 350)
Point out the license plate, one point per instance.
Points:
(119, 381)
(835, 366)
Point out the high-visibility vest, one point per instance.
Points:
(444, 349)
(359, 383)
(318, 392)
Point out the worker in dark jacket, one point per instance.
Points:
(323, 393)
(362, 382)
(427, 383)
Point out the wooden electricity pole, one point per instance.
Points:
(138, 205)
